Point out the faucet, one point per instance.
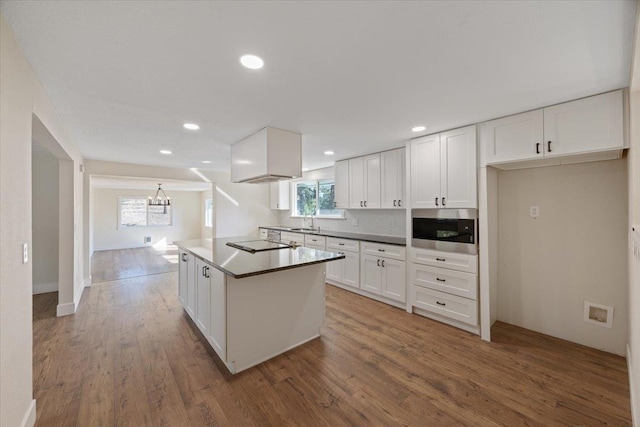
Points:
(305, 219)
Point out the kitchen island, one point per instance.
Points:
(251, 307)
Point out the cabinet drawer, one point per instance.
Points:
(451, 306)
(311, 240)
(287, 237)
(382, 250)
(449, 281)
(450, 260)
(343, 244)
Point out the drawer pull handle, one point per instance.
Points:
(441, 280)
(440, 259)
(441, 303)
(341, 244)
(378, 263)
(365, 202)
(380, 250)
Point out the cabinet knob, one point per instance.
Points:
(184, 257)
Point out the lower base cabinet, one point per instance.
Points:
(187, 282)
(383, 276)
(454, 307)
(203, 285)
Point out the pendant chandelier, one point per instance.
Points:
(160, 199)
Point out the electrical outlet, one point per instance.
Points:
(25, 253)
(534, 211)
(354, 222)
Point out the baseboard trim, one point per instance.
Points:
(29, 419)
(66, 309)
(634, 407)
(43, 288)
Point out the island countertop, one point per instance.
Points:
(238, 263)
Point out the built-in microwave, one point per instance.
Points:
(451, 230)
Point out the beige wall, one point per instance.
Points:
(107, 235)
(574, 252)
(22, 99)
(45, 227)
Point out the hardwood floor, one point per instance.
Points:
(126, 263)
(129, 357)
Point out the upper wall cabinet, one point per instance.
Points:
(443, 170)
(279, 195)
(341, 177)
(364, 181)
(586, 129)
(392, 171)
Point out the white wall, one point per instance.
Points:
(574, 252)
(45, 222)
(206, 232)
(21, 98)
(107, 235)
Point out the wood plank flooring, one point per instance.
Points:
(129, 357)
(127, 263)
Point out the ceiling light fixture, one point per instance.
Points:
(191, 126)
(160, 200)
(418, 129)
(329, 153)
(165, 152)
(252, 62)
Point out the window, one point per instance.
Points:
(316, 198)
(208, 213)
(134, 211)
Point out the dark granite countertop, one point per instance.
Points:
(389, 240)
(238, 263)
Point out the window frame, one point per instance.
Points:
(208, 218)
(146, 216)
(317, 181)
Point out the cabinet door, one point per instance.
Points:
(393, 280)
(183, 278)
(191, 286)
(371, 274)
(513, 138)
(356, 182)
(372, 181)
(351, 269)
(279, 195)
(458, 168)
(203, 296)
(589, 124)
(341, 175)
(218, 313)
(425, 172)
(392, 178)
(334, 270)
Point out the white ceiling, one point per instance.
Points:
(352, 77)
(150, 184)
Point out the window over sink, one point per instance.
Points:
(316, 198)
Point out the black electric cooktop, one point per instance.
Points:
(254, 246)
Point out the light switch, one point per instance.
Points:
(534, 211)
(25, 253)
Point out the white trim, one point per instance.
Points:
(43, 288)
(29, 419)
(634, 403)
(66, 309)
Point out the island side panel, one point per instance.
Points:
(271, 313)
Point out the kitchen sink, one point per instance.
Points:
(305, 230)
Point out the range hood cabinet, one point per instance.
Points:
(268, 155)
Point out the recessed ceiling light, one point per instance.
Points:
(191, 126)
(206, 162)
(165, 151)
(418, 129)
(329, 153)
(251, 61)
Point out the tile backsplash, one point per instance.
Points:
(386, 222)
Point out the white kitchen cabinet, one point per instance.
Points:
(392, 171)
(203, 304)
(371, 274)
(279, 195)
(287, 237)
(446, 305)
(185, 275)
(583, 130)
(364, 181)
(264, 233)
(445, 280)
(315, 242)
(218, 313)
(341, 177)
(443, 170)
(383, 276)
(345, 271)
(449, 260)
